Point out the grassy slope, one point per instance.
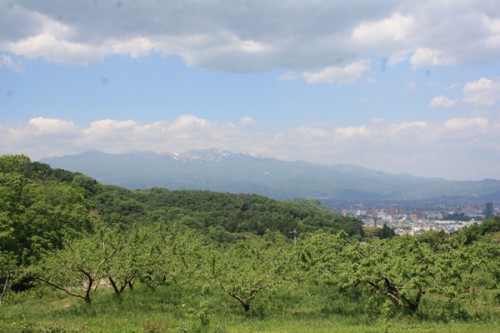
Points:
(181, 309)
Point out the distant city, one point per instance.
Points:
(415, 218)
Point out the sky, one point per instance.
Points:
(397, 86)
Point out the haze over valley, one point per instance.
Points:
(224, 171)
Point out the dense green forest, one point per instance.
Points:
(80, 256)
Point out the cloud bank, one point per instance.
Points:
(329, 41)
(459, 148)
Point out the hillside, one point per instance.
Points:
(160, 260)
(38, 200)
(224, 171)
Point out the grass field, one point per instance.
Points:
(181, 309)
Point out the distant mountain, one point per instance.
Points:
(224, 171)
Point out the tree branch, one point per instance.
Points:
(89, 287)
(254, 293)
(246, 304)
(60, 288)
(348, 241)
(237, 297)
(389, 294)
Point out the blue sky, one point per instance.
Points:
(388, 85)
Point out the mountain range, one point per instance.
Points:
(223, 171)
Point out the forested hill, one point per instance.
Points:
(40, 206)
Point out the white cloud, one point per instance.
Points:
(256, 36)
(349, 132)
(8, 62)
(288, 76)
(252, 46)
(442, 101)
(40, 137)
(187, 123)
(47, 126)
(484, 92)
(399, 56)
(135, 47)
(53, 41)
(396, 28)
(343, 75)
(493, 25)
(464, 123)
(462, 148)
(408, 125)
(430, 57)
(106, 125)
(310, 132)
(247, 121)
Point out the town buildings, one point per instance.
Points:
(420, 217)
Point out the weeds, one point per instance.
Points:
(155, 326)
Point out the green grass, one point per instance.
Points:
(192, 309)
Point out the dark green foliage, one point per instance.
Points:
(224, 215)
(39, 208)
(118, 206)
(15, 164)
(35, 171)
(385, 232)
(476, 231)
(91, 186)
(239, 213)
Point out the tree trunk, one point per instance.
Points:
(89, 287)
(392, 292)
(248, 303)
(413, 306)
(5, 287)
(118, 292)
